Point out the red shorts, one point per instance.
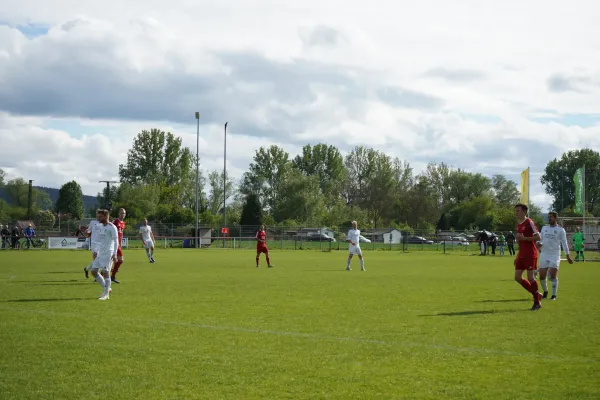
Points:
(262, 249)
(528, 263)
(119, 252)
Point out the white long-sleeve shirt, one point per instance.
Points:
(108, 240)
(552, 239)
(92, 229)
(354, 237)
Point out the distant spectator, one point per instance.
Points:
(14, 237)
(482, 238)
(501, 243)
(510, 243)
(493, 241)
(5, 233)
(29, 235)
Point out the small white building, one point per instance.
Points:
(393, 237)
(387, 236)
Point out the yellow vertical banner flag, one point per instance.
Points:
(525, 187)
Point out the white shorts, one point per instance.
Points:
(102, 263)
(545, 263)
(355, 250)
(149, 244)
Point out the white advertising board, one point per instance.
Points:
(65, 243)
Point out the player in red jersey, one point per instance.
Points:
(120, 224)
(261, 246)
(527, 257)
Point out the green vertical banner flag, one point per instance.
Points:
(579, 197)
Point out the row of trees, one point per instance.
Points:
(319, 187)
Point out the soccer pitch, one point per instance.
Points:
(207, 324)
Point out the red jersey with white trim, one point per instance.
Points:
(527, 249)
(261, 235)
(120, 228)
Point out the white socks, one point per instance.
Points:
(107, 282)
(362, 264)
(554, 286)
(148, 254)
(100, 280)
(544, 283)
(89, 266)
(348, 263)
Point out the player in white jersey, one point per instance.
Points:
(353, 238)
(553, 237)
(93, 238)
(147, 237)
(106, 252)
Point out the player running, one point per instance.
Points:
(553, 236)
(261, 246)
(527, 257)
(353, 238)
(578, 244)
(147, 237)
(108, 243)
(120, 224)
(93, 237)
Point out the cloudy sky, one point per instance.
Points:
(488, 86)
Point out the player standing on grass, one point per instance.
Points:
(553, 236)
(261, 246)
(353, 238)
(147, 237)
(527, 257)
(120, 224)
(108, 243)
(93, 236)
(578, 244)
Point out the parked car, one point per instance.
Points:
(417, 240)
(455, 241)
(315, 237)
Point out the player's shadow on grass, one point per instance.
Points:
(62, 283)
(472, 312)
(42, 300)
(503, 301)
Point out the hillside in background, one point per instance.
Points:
(88, 201)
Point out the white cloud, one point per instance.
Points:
(459, 82)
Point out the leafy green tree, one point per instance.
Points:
(157, 158)
(266, 175)
(252, 212)
(505, 190)
(558, 179)
(300, 199)
(45, 218)
(215, 195)
(17, 191)
(325, 162)
(2, 177)
(70, 200)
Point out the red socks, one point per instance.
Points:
(116, 268)
(531, 287)
(268, 261)
(525, 283)
(257, 259)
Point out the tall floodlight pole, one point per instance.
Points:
(224, 180)
(197, 235)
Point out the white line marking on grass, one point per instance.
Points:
(316, 336)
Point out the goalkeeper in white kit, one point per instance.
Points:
(553, 236)
(353, 238)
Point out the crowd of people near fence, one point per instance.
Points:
(12, 237)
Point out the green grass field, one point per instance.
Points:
(206, 324)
